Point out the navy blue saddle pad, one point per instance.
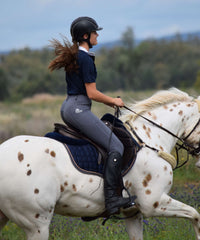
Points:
(83, 154)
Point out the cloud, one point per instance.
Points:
(174, 28)
(162, 31)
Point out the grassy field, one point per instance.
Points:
(36, 116)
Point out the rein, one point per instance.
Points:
(155, 124)
(190, 149)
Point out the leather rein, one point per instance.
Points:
(183, 145)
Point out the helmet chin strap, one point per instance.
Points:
(88, 41)
(89, 44)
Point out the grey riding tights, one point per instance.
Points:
(76, 110)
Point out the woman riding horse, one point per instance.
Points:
(81, 75)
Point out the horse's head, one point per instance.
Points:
(191, 135)
(173, 112)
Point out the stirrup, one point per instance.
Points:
(132, 199)
(132, 202)
(120, 203)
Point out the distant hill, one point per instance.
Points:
(4, 52)
(183, 36)
(109, 45)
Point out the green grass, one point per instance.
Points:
(63, 228)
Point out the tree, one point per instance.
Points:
(197, 82)
(128, 40)
(152, 64)
(162, 76)
(3, 85)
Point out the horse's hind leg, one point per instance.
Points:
(169, 207)
(39, 232)
(37, 227)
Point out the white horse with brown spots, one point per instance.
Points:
(37, 177)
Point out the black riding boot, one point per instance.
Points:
(112, 182)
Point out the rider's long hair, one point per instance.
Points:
(65, 55)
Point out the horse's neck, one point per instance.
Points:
(175, 117)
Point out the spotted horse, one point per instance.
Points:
(38, 179)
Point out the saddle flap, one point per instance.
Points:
(131, 147)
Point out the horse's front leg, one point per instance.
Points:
(169, 207)
(134, 225)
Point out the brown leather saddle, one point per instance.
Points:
(131, 147)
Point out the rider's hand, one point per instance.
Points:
(118, 102)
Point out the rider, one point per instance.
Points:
(81, 75)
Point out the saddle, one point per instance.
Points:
(131, 147)
(78, 138)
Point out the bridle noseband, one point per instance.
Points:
(192, 150)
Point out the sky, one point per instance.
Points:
(32, 23)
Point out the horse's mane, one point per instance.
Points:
(158, 99)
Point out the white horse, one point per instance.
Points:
(37, 177)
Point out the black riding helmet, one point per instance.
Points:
(81, 26)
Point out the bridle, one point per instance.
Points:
(191, 150)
